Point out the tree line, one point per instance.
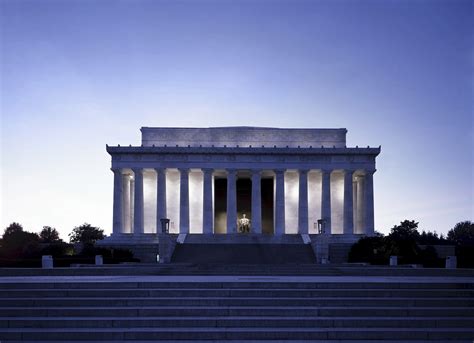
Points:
(413, 247)
(16, 241)
(21, 248)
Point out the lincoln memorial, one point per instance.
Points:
(242, 180)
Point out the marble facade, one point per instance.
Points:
(176, 173)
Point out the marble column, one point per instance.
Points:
(208, 213)
(160, 197)
(256, 224)
(303, 202)
(326, 200)
(369, 202)
(126, 198)
(280, 202)
(132, 204)
(117, 227)
(360, 204)
(138, 228)
(348, 226)
(231, 201)
(184, 201)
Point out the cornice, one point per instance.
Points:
(144, 150)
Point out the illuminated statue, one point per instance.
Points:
(244, 224)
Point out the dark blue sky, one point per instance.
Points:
(78, 74)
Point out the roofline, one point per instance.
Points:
(241, 150)
(240, 127)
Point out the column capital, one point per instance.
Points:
(349, 171)
(207, 170)
(279, 171)
(369, 171)
(231, 171)
(256, 172)
(160, 170)
(183, 170)
(326, 171)
(137, 170)
(116, 170)
(303, 171)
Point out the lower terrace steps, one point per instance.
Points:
(248, 308)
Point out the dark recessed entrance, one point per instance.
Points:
(244, 198)
(244, 203)
(220, 205)
(267, 206)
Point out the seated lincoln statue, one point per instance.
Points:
(244, 224)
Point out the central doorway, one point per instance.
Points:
(244, 203)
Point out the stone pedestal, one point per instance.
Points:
(47, 262)
(99, 260)
(451, 262)
(166, 247)
(393, 261)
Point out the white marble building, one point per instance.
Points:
(205, 179)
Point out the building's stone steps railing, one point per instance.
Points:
(237, 310)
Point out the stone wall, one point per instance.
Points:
(243, 136)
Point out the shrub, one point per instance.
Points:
(369, 250)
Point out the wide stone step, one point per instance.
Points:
(236, 333)
(232, 253)
(236, 301)
(287, 311)
(288, 269)
(248, 292)
(244, 283)
(250, 308)
(232, 321)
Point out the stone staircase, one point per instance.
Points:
(243, 253)
(243, 249)
(210, 308)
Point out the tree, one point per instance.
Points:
(462, 233)
(430, 238)
(407, 230)
(49, 235)
(18, 243)
(12, 229)
(86, 233)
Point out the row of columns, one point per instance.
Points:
(365, 196)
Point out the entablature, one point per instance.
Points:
(243, 158)
(112, 150)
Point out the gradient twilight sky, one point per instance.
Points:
(76, 75)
